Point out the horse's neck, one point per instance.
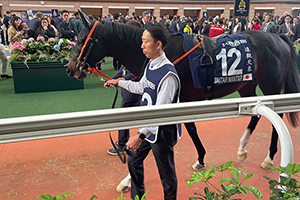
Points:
(125, 47)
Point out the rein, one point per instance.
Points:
(98, 72)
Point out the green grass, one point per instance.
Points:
(93, 97)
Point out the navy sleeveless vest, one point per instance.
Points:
(153, 80)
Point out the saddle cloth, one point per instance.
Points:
(234, 60)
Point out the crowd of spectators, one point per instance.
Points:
(213, 26)
(15, 28)
(62, 25)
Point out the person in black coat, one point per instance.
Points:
(45, 29)
(297, 32)
(35, 22)
(207, 26)
(67, 28)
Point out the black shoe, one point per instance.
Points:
(113, 151)
(6, 76)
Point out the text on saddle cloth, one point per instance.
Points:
(234, 61)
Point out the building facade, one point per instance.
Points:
(158, 7)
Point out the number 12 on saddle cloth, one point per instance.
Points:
(234, 61)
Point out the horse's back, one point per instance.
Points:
(271, 58)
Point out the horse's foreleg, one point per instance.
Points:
(192, 130)
(125, 184)
(242, 153)
(268, 162)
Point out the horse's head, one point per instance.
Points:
(88, 50)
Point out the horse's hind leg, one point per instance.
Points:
(192, 130)
(247, 91)
(125, 184)
(242, 153)
(268, 162)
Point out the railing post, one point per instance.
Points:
(283, 133)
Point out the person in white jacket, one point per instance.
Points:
(160, 84)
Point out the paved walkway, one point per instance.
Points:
(81, 163)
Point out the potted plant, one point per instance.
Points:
(38, 65)
(234, 185)
(288, 186)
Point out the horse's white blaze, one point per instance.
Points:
(242, 153)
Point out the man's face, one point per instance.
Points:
(295, 20)
(267, 18)
(66, 16)
(146, 18)
(287, 19)
(150, 48)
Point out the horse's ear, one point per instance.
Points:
(85, 20)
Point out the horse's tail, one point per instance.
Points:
(292, 81)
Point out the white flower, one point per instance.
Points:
(24, 41)
(60, 42)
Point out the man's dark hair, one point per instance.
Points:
(116, 15)
(64, 11)
(270, 15)
(76, 13)
(210, 19)
(158, 32)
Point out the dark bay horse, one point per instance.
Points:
(275, 68)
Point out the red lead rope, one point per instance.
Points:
(97, 71)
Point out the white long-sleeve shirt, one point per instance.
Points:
(165, 94)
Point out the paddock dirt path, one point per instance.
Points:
(81, 163)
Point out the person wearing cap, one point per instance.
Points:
(187, 29)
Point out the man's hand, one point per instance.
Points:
(111, 83)
(134, 142)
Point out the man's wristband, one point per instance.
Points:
(141, 135)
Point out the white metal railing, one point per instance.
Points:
(75, 123)
(68, 124)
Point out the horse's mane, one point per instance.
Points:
(128, 33)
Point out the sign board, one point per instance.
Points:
(205, 14)
(241, 8)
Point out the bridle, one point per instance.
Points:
(89, 42)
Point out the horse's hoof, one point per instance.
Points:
(242, 155)
(197, 166)
(267, 164)
(122, 188)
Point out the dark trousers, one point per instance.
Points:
(116, 64)
(164, 156)
(2, 37)
(129, 100)
(123, 137)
